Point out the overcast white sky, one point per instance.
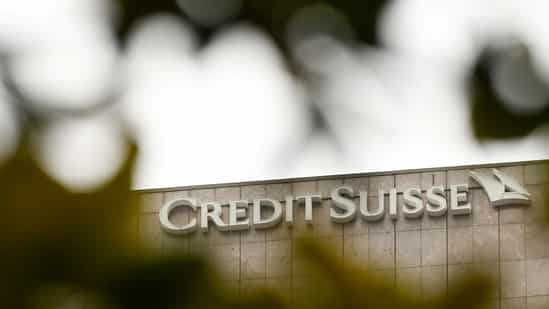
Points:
(231, 112)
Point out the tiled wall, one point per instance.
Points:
(425, 254)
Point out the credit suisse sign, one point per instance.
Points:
(501, 189)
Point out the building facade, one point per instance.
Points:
(423, 247)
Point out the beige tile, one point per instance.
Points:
(408, 249)
(458, 272)
(325, 187)
(227, 259)
(252, 192)
(460, 220)
(512, 214)
(198, 239)
(253, 234)
(216, 237)
(483, 212)
(253, 260)
(433, 281)
(513, 303)
(512, 242)
(493, 271)
(385, 224)
(357, 183)
(433, 247)
(279, 191)
(537, 302)
(323, 225)
(381, 250)
(517, 172)
(460, 245)
(485, 243)
(484, 171)
(537, 277)
(457, 177)
(513, 279)
(203, 195)
(358, 226)
(406, 181)
(304, 188)
(403, 223)
(170, 195)
(281, 231)
(537, 240)
(535, 174)
(300, 228)
(150, 202)
(429, 179)
(409, 280)
(376, 183)
(355, 250)
(279, 258)
(429, 222)
(536, 211)
(227, 194)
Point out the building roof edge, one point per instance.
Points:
(334, 176)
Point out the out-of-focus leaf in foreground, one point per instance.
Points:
(338, 285)
(84, 241)
(59, 247)
(509, 98)
(49, 234)
(271, 16)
